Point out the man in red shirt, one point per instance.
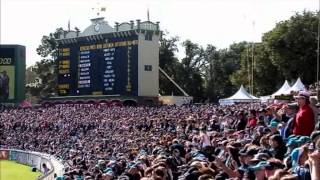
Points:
(304, 120)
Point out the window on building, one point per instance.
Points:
(148, 37)
(147, 67)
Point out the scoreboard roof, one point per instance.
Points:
(100, 26)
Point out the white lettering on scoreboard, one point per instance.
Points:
(109, 73)
(84, 79)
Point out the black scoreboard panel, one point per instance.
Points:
(106, 67)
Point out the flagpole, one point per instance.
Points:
(252, 66)
(249, 69)
(69, 25)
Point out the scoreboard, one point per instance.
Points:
(12, 73)
(98, 67)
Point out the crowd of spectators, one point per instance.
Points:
(244, 141)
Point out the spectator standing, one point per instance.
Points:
(304, 120)
(290, 114)
(45, 168)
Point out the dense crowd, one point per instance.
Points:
(244, 141)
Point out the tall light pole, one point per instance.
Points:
(249, 69)
(318, 51)
(252, 67)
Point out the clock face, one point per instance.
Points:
(97, 27)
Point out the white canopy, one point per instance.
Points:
(298, 86)
(240, 96)
(284, 88)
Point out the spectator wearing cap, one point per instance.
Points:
(259, 170)
(273, 166)
(290, 113)
(304, 120)
(274, 126)
(245, 156)
(259, 157)
(299, 157)
(266, 169)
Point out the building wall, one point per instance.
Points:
(148, 81)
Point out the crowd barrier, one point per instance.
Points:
(35, 159)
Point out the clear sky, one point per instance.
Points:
(216, 22)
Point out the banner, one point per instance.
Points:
(284, 97)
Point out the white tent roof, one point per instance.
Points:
(298, 86)
(240, 96)
(285, 87)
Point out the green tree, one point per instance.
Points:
(31, 76)
(187, 73)
(46, 68)
(212, 73)
(293, 44)
(170, 64)
(267, 78)
(193, 68)
(32, 92)
(221, 64)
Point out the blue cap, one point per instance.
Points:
(259, 166)
(291, 142)
(292, 136)
(304, 139)
(109, 171)
(273, 124)
(295, 141)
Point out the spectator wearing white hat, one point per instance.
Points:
(304, 120)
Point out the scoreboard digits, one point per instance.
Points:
(64, 69)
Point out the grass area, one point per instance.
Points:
(10, 170)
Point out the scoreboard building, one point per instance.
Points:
(110, 61)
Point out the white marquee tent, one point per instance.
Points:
(284, 88)
(240, 96)
(298, 86)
